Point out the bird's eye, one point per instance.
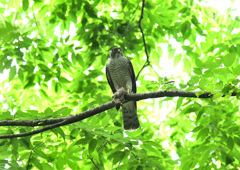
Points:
(114, 50)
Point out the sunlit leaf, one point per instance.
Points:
(203, 133)
(25, 4)
(177, 59)
(12, 73)
(229, 59)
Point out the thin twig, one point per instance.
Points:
(93, 161)
(129, 31)
(155, 71)
(144, 65)
(147, 63)
(139, 23)
(34, 150)
(132, 17)
(102, 145)
(34, 17)
(114, 32)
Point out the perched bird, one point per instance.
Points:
(120, 74)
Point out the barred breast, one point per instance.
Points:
(119, 69)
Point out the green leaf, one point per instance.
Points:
(21, 75)
(63, 80)
(187, 65)
(223, 156)
(63, 111)
(236, 70)
(61, 15)
(41, 154)
(90, 10)
(203, 133)
(212, 63)
(200, 113)
(194, 20)
(217, 95)
(59, 130)
(171, 53)
(179, 103)
(25, 4)
(203, 82)
(12, 73)
(191, 108)
(36, 163)
(43, 94)
(198, 63)
(149, 148)
(30, 82)
(74, 133)
(14, 143)
(177, 58)
(230, 143)
(60, 162)
(92, 145)
(229, 59)
(72, 149)
(197, 128)
(186, 165)
(197, 71)
(155, 57)
(83, 141)
(71, 163)
(48, 111)
(205, 156)
(44, 67)
(117, 156)
(237, 140)
(186, 29)
(134, 133)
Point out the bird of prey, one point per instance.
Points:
(120, 74)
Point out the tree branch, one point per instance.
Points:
(147, 63)
(170, 93)
(140, 27)
(32, 123)
(99, 109)
(67, 120)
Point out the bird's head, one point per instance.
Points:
(116, 52)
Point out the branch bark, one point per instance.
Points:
(57, 122)
(65, 121)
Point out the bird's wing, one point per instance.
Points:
(132, 75)
(109, 79)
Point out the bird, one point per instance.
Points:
(120, 74)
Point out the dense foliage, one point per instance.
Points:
(54, 55)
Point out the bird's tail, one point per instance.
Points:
(130, 118)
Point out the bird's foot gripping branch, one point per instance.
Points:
(118, 97)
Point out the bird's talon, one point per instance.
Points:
(118, 97)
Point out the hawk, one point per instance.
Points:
(120, 74)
